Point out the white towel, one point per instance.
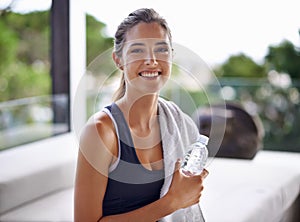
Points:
(178, 131)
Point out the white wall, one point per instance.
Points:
(77, 64)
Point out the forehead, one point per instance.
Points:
(146, 31)
(153, 42)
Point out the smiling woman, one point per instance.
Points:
(129, 150)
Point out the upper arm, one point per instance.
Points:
(97, 150)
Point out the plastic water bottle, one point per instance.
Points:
(196, 157)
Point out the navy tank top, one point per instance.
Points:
(130, 185)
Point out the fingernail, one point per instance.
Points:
(205, 173)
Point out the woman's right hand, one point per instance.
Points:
(184, 190)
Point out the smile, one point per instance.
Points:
(149, 74)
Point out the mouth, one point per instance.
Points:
(148, 74)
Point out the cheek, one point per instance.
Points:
(129, 71)
(130, 64)
(167, 67)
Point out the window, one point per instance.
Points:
(34, 71)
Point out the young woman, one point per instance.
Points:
(128, 162)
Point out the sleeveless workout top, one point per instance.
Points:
(130, 185)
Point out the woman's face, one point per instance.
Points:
(146, 58)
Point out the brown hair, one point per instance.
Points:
(141, 15)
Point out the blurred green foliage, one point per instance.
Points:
(284, 57)
(96, 39)
(24, 57)
(240, 65)
(270, 90)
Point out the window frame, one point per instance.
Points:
(60, 55)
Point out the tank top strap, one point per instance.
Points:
(126, 146)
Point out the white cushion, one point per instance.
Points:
(257, 190)
(31, 171)
(55, 207)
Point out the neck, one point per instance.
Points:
(140, 112)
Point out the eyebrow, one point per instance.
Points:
(161, 43)
(143, 44)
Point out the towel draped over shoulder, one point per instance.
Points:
(178, 131)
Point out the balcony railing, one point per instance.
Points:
(30, 119)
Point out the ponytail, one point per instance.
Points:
(120, 92)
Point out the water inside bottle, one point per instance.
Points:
(195, 159)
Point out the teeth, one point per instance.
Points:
(149, 74)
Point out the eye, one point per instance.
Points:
(162, 50)
(137, 50)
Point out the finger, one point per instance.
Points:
(201, 189)
(177, 165)
(204, 173)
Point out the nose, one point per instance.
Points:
(151, 58)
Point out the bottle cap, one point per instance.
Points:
(203, 139)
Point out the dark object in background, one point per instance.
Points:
(233, 132)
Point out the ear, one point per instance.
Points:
(117, 60)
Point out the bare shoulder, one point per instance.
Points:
(98, 140)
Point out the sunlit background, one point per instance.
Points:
(244, 53)
(215, 29)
